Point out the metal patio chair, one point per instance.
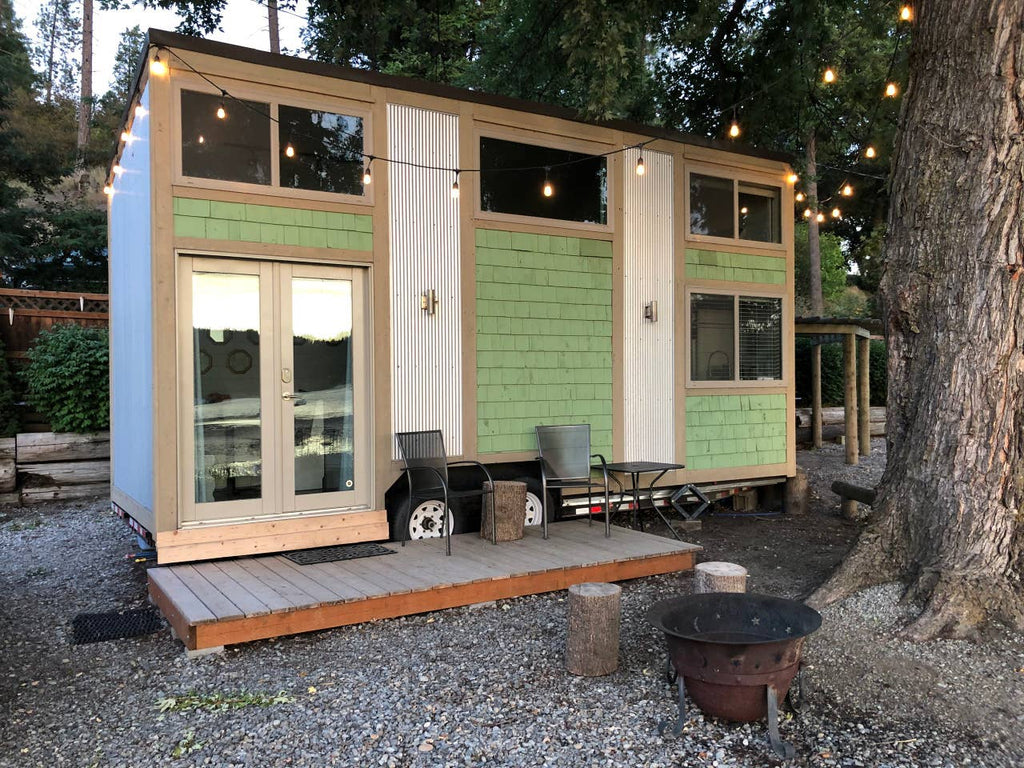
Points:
(426, 469)
(565, 462)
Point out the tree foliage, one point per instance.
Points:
(67, 378)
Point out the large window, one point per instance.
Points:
(713, 209)
(735, 338)
(229, 139)
(578, 182)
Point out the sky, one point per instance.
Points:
(245, 22)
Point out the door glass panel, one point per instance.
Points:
(322, 385)
(226, 397)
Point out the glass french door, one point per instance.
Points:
(275, 403)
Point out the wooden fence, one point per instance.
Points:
(25, 314)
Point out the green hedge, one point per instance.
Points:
(832, 389)
(67, 378)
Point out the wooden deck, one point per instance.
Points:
(222, 602)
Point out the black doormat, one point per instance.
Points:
(97, 627)
(339, 552)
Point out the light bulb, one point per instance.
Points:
(847, 190)
(792, 178)
(455, 187)
(821, 217)
(870, 152)
(744, 210)
(108, 190)
(117, 169)
(289, 151)
(829, 76)
(734, 129)
(549, 190)
(807, 213)
(800, 197)
(641, 169)
(201, 139)
(126, 137)
(891, 90)
(157, 67)
(367, 178)
(906, 13)
(836, 213)
(140, 111)
(221, 112)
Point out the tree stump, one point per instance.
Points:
(797, 493)
(509, 509)
(592, 645)
(716, 576)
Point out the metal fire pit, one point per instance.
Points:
(736, 653)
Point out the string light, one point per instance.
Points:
(367, 178)
(126, 137)
(455, 186)
(117, 169)
(221, 112)
(807, 213)
(792, 178)
(891, 90)
(821, 218)
(157, 67)
(140, 111)
(289, 151)
(847, 190)
(201, 139)
(641, 169)
(906, 13)
(829, 76)
(108, 190)
(744, 210)
(549, 188)
(800, 197)
(870, 152)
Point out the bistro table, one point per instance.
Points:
(636, 468)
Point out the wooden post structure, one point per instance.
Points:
(715, 576)
(592, 646)
(816, 395)
(864, 395)
(850, 396)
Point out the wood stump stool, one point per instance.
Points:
(716, 576)
(509, 509)
(592, 645)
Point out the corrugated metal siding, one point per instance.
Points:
(648, 355)
(426, 350)
(131, 321)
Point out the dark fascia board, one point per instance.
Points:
(173, 40)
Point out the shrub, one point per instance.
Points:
(67, 378)
(8, 412)
(832, 387)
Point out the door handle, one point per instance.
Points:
(289, 396)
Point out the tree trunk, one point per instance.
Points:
(52, 54)
(813, 241)
(272, 25)
(85, 105)
(948, 517)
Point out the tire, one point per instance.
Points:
(425, 521)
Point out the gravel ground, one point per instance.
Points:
(476, 685)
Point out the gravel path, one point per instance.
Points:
(465, 686)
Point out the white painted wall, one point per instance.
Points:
(648, 370)
(426, 350)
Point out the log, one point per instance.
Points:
(834, 415)
(509, 510)
(62, 446)
(834, 432)
(856, 492)
(592, 644)
(59, 493)
(798, 493)
(8, 475)
(716, 576)
(8, 449)
(65, 473)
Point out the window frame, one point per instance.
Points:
(550, 141)
(274, 97)
(737, 177)
(736, 382)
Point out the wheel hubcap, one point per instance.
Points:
(427, 521)
(534, 510)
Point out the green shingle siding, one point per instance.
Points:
(544, 337)
(271, 224)
(735, 431)
(735, 267)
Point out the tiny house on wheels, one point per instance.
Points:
(306, 259)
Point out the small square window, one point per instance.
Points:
(235, 147)
(320, 150)
(760, 218)
(718, 322)
(712, 337)
(711, 206)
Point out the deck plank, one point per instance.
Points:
(215, 599)
(190, 606)
(269, 597)
(246, 601)
(298, 597)
(313, 587)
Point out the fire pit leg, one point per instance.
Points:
(795, 695)
(782, 749)
(678, 727)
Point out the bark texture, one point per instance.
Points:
(592, 644)
(948, 517)
(813, 234)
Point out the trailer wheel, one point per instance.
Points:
(426, 521)
(534, 509)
